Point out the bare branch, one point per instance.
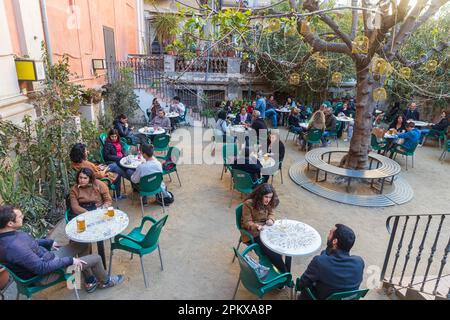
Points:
(410, 63)
(320, 45)
(412, 22)
(312, 5)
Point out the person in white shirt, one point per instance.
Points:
(151, 165)
(179, 108)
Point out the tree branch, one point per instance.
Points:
(410, 63)
(412, 22)
(312, 5)
(320, 45)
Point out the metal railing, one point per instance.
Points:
(202, 64)
(429, 235)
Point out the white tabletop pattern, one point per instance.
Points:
(291, 238)
(172, 115)
(131, 162)
(151, 131)
(99, 227)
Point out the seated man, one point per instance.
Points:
(161, 120)
(28, 257)
(248, 163)
(330, 123)
(411, 113)
(271, 112)
(121, 125)
(259, 126)
(242, 117)
(334, 270)
(179, 108)
(151, 165)
(410, 139)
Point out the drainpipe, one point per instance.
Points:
(48, 43)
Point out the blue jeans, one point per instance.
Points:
(272, 113)
(423, 133)
(296, 130)
(113, 167)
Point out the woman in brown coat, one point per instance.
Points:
(88, 193)
(257, 211)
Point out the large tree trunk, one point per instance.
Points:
(357, 157)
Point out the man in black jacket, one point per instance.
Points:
(121, 125)
(334, 270)
(28, 257)
(441, 126)
(259, 126)
(411, 113)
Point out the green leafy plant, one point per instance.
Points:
(120, 96)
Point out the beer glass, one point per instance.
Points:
(110, 212)
(81, 224)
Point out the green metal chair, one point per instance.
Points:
(161, 145)
(397, 150)
(446, 149)
(151, 186)
(250, 279)
(334, 133)
(182, 119)
(242, 182)
(313, 136)
(173, 155)
(377, 146)
(228, 150)
(435, 134)
(102, 138)
(241, 230)
(125, 146)
(280, 169)
(139, 243)
(344, 295)
(290, 130)
(30, 286)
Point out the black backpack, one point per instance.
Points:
(167, 200)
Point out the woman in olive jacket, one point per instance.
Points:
(257, 211)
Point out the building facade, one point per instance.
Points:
(83, 30)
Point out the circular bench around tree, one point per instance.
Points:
(385, 168)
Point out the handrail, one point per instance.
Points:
(418, 227)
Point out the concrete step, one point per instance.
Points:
(414, 292)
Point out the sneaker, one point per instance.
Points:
(121, 197)
(345, 140)
(91, 286)
(112, 281)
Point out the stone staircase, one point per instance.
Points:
(414, 292)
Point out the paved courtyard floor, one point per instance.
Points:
(197, 240)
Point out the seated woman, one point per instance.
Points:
(112, 151)
(294, 121)
(398, 124)
(78, 156)
(88, 193)
(275, 147)
(442, 125)
(257, 211)
(317, 122)
(221, 128)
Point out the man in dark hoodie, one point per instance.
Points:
(121, 125)
(28, 257)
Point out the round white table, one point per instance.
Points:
(345, 119)
(172, 115)
(304, 125)
(150, 131)
(291, 238)
(99, 228)
(231, 116)
(284, 112)
(131, 162)
(419, 123)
